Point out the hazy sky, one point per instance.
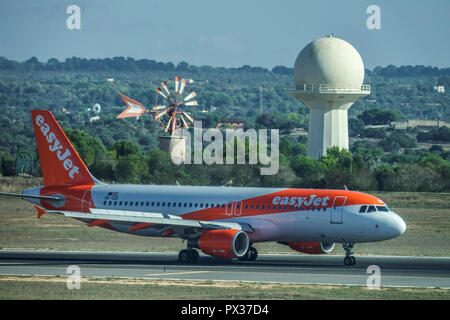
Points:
(227, 33)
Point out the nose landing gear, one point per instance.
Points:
(349, 260)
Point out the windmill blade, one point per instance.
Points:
(185, 125)
(177, 84)
(168, 125)
(190, 96)
(191, 103)
(159, 115)
(164, 96)
(134, 108)
(183, 84)
(188, 117)
(159, 107)
(160, 92)
(164, 84)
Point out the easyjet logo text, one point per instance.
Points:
(63, 154)
(312, 200)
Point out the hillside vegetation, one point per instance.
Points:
(126, 150)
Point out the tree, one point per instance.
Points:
(88, 147)
(385, 176)
(376, 116)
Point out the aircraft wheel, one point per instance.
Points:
(253, 254)
(353, 260)
(194, 255)
(245, 257)
(348, 261)
(184, 256)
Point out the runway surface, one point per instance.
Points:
(429, 272)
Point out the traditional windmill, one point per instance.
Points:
(170, 110)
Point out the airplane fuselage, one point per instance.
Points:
(274, 214)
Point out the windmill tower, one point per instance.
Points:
(328, 75)
(170, 110)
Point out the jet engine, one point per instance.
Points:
(312, 247)
(229, 243)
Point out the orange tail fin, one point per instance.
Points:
(60, 163)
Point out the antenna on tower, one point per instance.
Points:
(260, 100)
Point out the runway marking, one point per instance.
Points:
(173, 273)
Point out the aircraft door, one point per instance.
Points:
(338, 209)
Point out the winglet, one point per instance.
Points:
(40, 211)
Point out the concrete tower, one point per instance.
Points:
(328, 75)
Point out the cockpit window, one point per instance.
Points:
(371, 209)
(382, 209)
(363, 209)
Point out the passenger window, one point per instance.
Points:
(372, 209)
(363, 209)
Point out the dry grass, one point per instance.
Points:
(18, 184)
(50, 288)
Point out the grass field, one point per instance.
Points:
(50, 288)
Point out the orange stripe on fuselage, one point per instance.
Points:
(288, 200)
(73, 197)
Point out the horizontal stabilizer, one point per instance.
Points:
(30, 196)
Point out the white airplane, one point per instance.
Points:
(222, 222)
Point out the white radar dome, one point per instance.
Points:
(330, 61)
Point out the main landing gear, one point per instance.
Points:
(188, 255)
(250, 255)
(349, 260)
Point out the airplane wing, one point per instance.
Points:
(138, 219)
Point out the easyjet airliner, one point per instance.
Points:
(220, 221)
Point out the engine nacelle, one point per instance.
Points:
(229, 243)
(312, 247)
